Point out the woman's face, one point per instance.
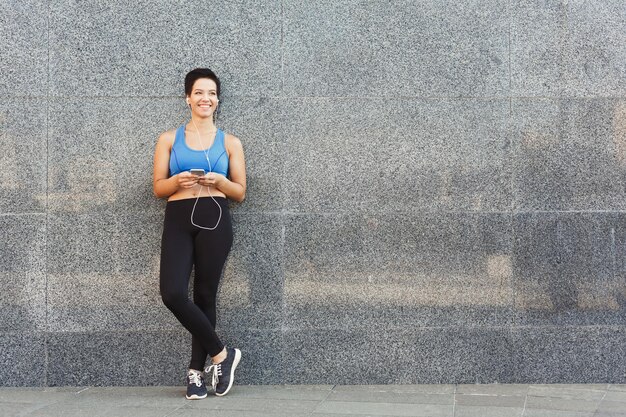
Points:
(203, 97)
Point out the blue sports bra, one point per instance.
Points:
(183, 158)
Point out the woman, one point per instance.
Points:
(197, 167)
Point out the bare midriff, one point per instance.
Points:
(184, 193)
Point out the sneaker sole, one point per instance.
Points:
(232, 373)
(195, 397)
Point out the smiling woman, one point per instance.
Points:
(197, 167)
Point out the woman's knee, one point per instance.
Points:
(174, 299)
(205, 296)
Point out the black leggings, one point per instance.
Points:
(184, 245)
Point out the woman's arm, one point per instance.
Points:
(235, 186)
(163, 186)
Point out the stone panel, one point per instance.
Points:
(99, 159)
(405, 48)
(596, 63)
(118, 358)
(538, 33)
(617, 290)
(251, 291)
(24, 48)
(129, 49)
(570, 154)
(564, 269)
(397, 271)
(23, 161)
(22, 359)
(397, 155)
(262, 361)
(104, 274)
(257, 123)
(569, 354)
(81, 244)
(23, 273)
(398, 356)
(568, 48)
(138, 241)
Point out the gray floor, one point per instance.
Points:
(324, 401)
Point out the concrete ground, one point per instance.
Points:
(323, 401)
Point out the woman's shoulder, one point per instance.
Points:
(167, 137)
(231, 141)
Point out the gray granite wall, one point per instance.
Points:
(437, 189)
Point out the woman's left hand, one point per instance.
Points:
(212, 179)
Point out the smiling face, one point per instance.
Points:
(203, 98)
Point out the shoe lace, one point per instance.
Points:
(195, 378)
(216, 372)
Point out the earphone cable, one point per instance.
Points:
(206, 155)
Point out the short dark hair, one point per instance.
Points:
(195, 74)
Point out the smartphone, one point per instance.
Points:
(197, 171)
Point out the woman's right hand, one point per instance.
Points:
(186, 179)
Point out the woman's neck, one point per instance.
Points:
(205, 125)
